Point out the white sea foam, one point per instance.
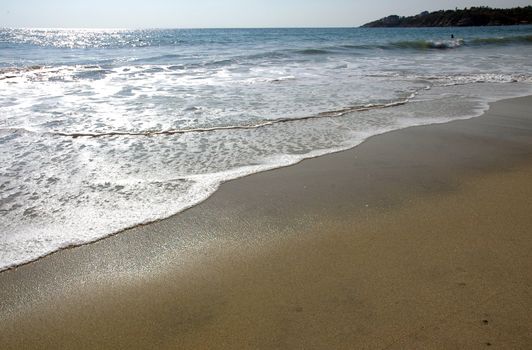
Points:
(61, 191)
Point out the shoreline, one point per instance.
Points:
(314, 154)
(250, 223)
(311, 155)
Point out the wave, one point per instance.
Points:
(419, 45)
(413, 45)
(422, 45)
(269, 122)
(456, 43)
(427, 44)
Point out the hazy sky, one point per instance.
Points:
(217, 13)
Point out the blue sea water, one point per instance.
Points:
(101, 130)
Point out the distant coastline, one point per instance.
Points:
(474, 16)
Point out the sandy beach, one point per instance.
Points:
(416, 239)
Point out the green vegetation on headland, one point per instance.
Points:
(474, 16)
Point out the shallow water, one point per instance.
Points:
(101, 130)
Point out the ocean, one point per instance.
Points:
(102, 130)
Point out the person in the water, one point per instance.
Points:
(452, 36)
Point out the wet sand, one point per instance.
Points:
(416, 239)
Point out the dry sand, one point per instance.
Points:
(417, 239)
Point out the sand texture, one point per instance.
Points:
(417, 239)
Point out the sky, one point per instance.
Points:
(218, 13)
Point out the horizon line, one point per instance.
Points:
(184, 28)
